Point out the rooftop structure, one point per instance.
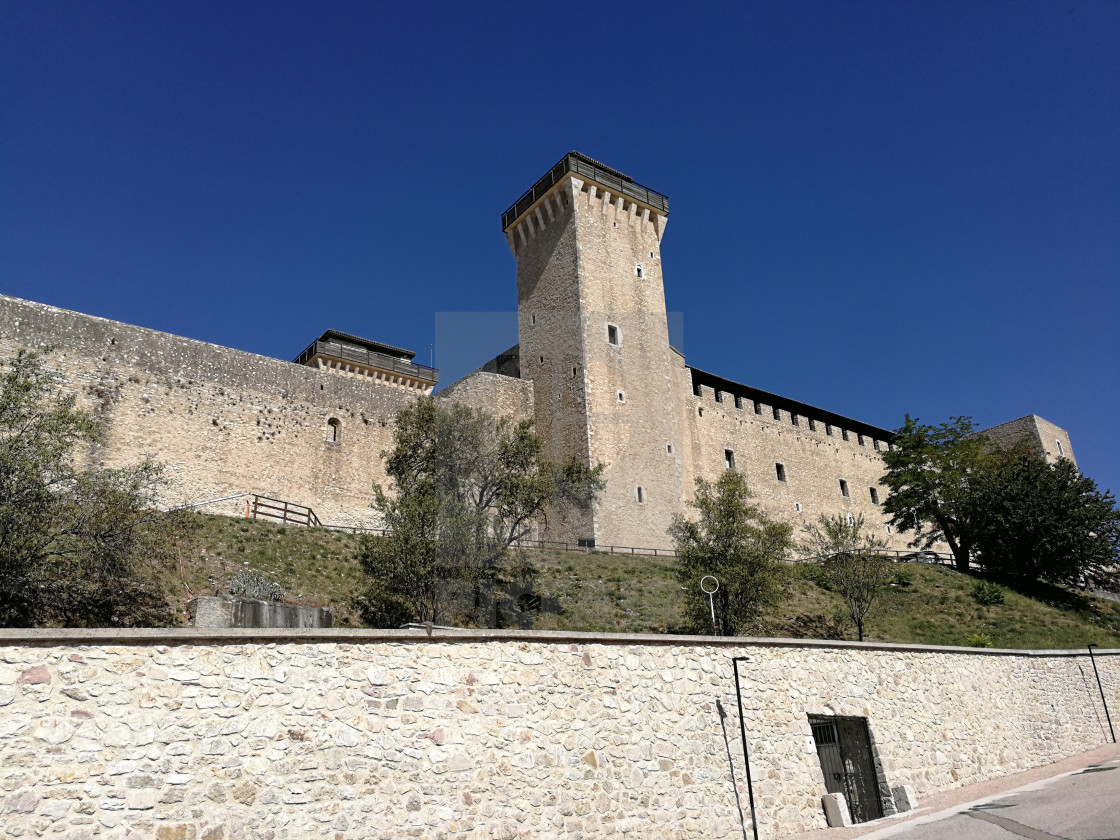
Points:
(351, 355)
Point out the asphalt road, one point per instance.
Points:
(1082, 806)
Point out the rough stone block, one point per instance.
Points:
(904, 798)
(836, 810)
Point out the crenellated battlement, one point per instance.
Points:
(774, 410)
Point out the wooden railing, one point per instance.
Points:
(282, 510)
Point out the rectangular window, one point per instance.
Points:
(859, 439)
(729, 459)
(780, 470)
(844, 434)
(877, 449)
(874, 496)
(828, 429)
(641, 496)
(812, 425)
(793, 418)
(612, 334)
(844, 488)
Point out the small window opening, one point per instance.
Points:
(780, 470)
(700, 411)
(890, 530)
(874, 495)
(669, 448)
(334, 430)
(876, 445)
(729, 459)
(575, 371)
(797, 507)
(651, 255)
(1061, 451)
(757, 407)
(738, 403)
(638, 271)
(533, 320)
(844, 434)
(812, 425)
(612, 334)
(641, 495)
(851, 519)
(859, 439)
(777, 413)
(621, 396)
(542, 360)
(828, 429)
(794, 419)
(844, 488)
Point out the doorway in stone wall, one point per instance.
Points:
(844, 749)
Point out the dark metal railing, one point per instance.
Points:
(579, 164)
(361, 356)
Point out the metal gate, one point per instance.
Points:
(844, 748)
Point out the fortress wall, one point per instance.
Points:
(1039, 434)
(223, 421)
(379, 734)
(814, 462)
(493, 393)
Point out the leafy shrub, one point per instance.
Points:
(903, 577)
(979, 640)
(252, 585)
(987, 594)
(815, 573)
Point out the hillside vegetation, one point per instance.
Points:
(600, 592)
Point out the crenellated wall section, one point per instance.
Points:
(814, 458)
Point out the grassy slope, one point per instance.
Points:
(640, 594)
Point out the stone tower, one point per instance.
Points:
(594, 340)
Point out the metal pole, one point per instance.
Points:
(743, 733)
(1108, 717)
(731, 764)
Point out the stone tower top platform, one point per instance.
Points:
(587, 169)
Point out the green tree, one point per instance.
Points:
(77, 547)
(928, 470)
(733, 541)
(853, 560)
(1031, 519)
(464, 488)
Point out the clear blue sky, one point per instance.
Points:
(877, 208)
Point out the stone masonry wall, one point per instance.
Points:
(178, 735)
(222, 420)
(498, 395)
(1051, 441)
(813, 463)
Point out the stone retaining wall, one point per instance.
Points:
(387, 734)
